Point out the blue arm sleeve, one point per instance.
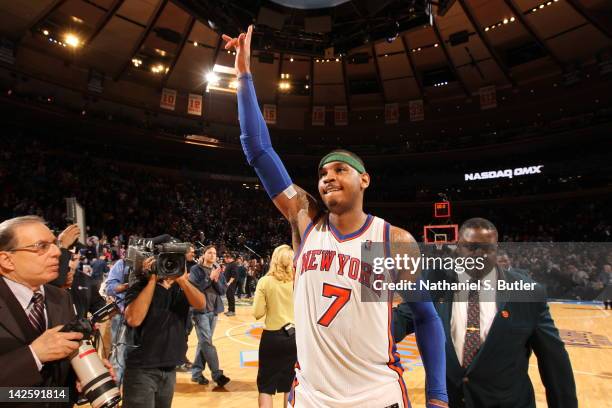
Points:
(256, 143)
(431, 342)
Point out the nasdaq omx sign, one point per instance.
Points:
(507, 173)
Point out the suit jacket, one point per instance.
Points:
(16, 334)
(498, 376)
(84, 291)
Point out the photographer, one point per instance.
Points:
(189, 263)
(84, 289)
(33, 312)
(116, 287)
(156, 313)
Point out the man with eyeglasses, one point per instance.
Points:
(490, 334)
(32, 350)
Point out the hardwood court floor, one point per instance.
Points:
(587, 331)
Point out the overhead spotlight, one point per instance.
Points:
(233, 52)
(156, 69)
(316, 60)
(72, 40)
(533, 10)
(541, 6)
(46, 32)
(306, 86)
(436, 44)
(77, 20)
(512, 19)
(337, 59)
(291, 59)
(195, 43)
(212, 78)
(228, 51)
(506, 21)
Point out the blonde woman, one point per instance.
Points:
(277, 352)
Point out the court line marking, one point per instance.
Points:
(228, 334)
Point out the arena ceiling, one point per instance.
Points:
(358, 53)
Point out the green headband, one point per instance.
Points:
(342, 157)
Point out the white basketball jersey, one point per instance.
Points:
(346, 353)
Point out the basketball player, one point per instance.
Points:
(346, 353)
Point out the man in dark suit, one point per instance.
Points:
(84, 290)
(33, 353)
(490, 336)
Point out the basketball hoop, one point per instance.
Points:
(439, 245)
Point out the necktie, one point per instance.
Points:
(37, 312)
(472, 333)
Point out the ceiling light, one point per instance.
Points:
(506, 21)
(72, 40)
(291, 59)
(212, 78)
(436, 44)
(160, 52)
(46, 32)
(306, 86)
(337, 59)
(195, 43)
(76, 19)
(512, 19)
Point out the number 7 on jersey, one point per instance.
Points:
(342, 296)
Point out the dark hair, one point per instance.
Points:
(474, 223)
(206, 248)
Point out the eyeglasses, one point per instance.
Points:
(40, 247)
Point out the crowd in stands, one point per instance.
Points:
(121, 202)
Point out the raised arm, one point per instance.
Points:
(428, 328)
(296, 205)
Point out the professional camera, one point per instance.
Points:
(98, 386)
(169, 256)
